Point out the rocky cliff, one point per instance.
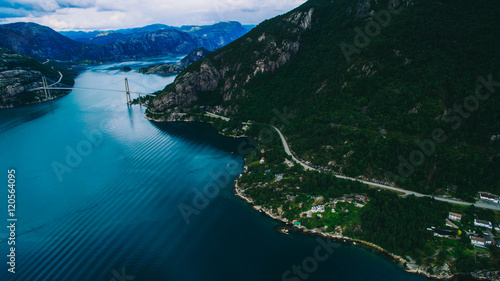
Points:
(19, 74)
(219, 76)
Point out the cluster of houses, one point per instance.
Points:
(475, 240)
(358, 201)
(314, 209)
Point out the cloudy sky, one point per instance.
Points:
(115, 14)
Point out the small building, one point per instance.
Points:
(262, 160)
(245, 128)
(361, 198)
(483, 223)
(488, 197)
(262, 150)
(292, 198)
(478, 241)
(454, 216)
(442, 233)
(297, 223)
(279, 176)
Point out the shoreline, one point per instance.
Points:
(347, 240)
(337, 238)
(36, 102)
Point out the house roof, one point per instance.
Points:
(482, 221)
(487, 195)
(477, 239)
(455, 214)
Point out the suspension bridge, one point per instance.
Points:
(57, 85)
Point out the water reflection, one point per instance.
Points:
(199, 133)
(13, 117)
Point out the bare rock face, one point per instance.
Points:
(223, 71)
(18, 75)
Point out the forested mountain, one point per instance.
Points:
(150, 41)
(402, 91)
(222, 33)
(19, 74)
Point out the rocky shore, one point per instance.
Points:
(409, 265)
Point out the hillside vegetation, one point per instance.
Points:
(402, 92)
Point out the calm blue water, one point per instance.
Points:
(99, 189)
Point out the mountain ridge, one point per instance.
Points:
(43, 42)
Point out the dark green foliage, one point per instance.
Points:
(399, 225)
(368, 113)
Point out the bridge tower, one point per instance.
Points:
(127, 92)
(45, 88)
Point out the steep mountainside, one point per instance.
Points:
(402, 92)
(19, 74)
(40, 41)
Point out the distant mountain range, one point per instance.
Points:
(154, 40)
(223, 30)
(167, 69)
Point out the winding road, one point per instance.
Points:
(392, 188)
(373, 184)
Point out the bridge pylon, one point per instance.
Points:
(127, 92)
(45, 88)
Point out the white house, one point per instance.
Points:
(454, 216)
(483, 223)
(488, 197)
(477, 241)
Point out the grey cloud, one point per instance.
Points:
(13, 12)
(76, 3)
(251, 10)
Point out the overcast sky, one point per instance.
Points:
(115, 14)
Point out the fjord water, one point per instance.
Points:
(111, 212)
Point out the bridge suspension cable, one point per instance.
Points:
(45, 87)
